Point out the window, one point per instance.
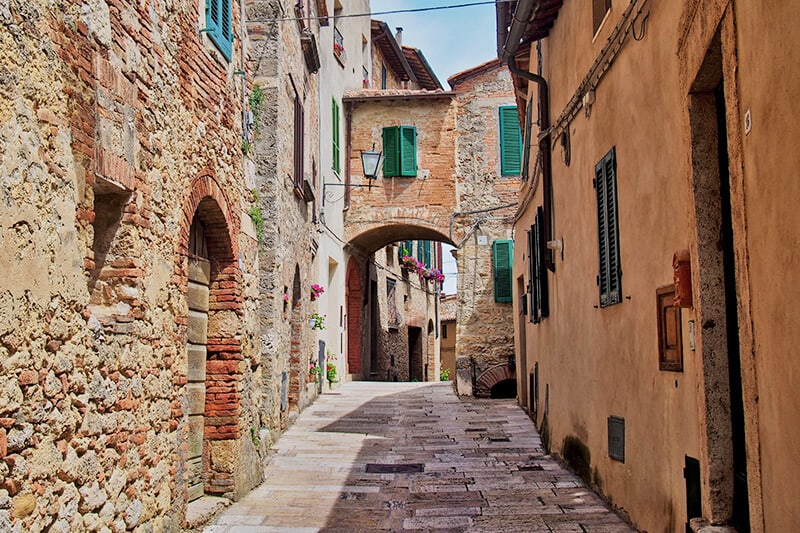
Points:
(609, 278)
(406, 248)
(538, 290)
(383, 75)
(399, 151)
(510, 141)
(391, 304)
(444, 331)
(335, 137)
(299, 144)
(670, 345)
(424, 253)
(599, 10)
(218, 25)
(502, 251)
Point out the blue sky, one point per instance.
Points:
(452, 40)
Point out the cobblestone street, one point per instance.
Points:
(412, 456)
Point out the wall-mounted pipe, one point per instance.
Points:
(525, 11)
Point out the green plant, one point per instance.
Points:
(246, 146)
(258, 218)
(317, 321)
(330, 372)
(254, 436)
(444, 374)
(256, 101)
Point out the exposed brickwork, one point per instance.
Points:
(120, 123)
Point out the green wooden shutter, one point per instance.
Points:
(426, 253)
(408, 151)
(391, 151)
(609, 278)
(335, 137)
(510, 141)
(219, 25)
(502, 254)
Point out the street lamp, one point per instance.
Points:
(371, 162)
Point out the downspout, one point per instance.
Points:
(526, 9)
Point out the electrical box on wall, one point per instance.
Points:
(682, 275)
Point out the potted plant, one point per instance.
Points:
(331, 373)
(313, 372)
(317, 321)
(316, 291)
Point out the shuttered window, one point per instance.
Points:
(424, 253)
(335, 136)
(406, 248)
(219, 25)
(609, 277)
(510, 141)
(537, 270)
(399, 151)
(299, 142)
(502, 252)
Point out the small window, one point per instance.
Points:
(670, 343)
(538, 289)
(383, 75)
(399, 151)
(335, 136)
(219, 24)
(444, 331)
(599, 10)
(510, 141)
(502, 252)
(609, 277)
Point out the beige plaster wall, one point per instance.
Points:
(767, 40)
(596, 362)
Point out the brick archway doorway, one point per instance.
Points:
(210, 276)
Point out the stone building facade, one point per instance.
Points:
(652, 324)
(124, 384)
(486, 191)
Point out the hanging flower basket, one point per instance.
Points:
(316, 291)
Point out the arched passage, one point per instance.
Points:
(210, 277)
(492, 378)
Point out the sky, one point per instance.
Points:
(452, 40)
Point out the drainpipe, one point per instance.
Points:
(525, 11)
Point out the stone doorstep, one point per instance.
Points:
(701, 525)
(203, 509)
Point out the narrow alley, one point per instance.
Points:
(413, 456)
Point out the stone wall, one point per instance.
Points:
(287, 251)
(116, 121)
(485, 330)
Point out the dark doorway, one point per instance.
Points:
(504, 389)
(724, 429)
(741, 514)
(415, 368)
(374, 328)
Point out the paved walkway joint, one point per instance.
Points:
(414, 457)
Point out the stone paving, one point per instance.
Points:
(414, 457)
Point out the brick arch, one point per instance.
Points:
(224, 358)
(491, 377)
(376, 235)
(211, 204)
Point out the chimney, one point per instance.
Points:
(399, 36)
